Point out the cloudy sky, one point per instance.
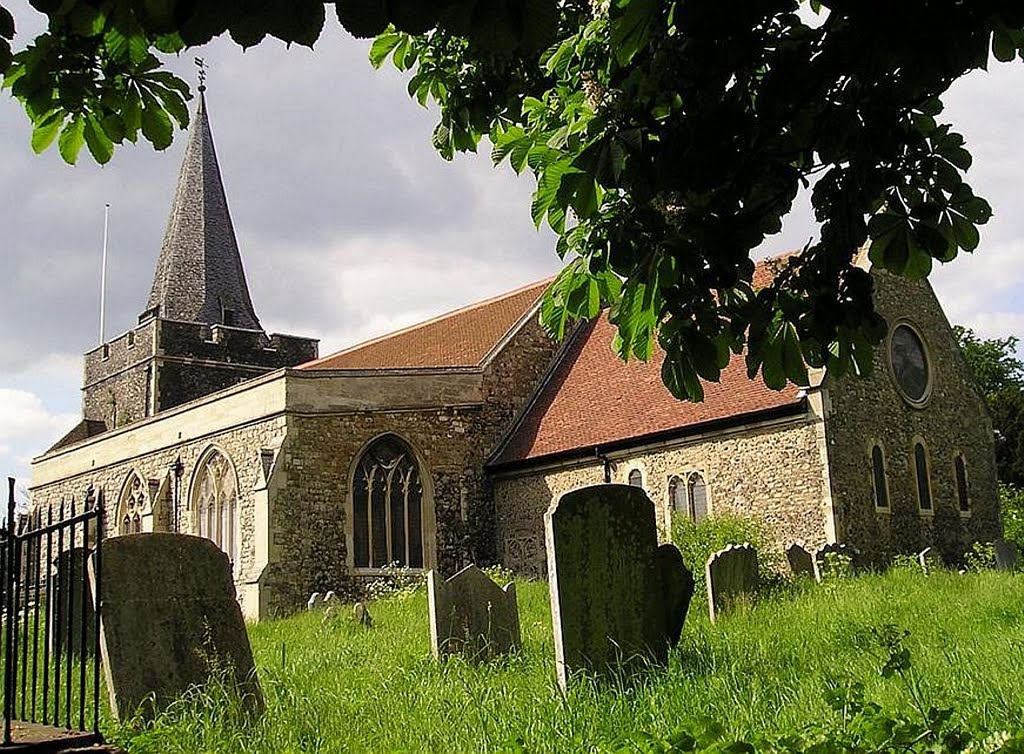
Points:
(349, 223)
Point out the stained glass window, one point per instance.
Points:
(132, 506)
(387, 507)
(216, 503)
(909, 363)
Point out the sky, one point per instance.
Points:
(349, 223)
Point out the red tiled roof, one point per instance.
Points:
(462, 338)
(593, 398)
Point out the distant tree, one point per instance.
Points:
(668, 139)
(1000, 375)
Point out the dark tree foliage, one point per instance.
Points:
(668, 140)
(1000, 375)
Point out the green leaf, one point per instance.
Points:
(100, 145)
(1003, 47)
(156, 124)
(630, 31)
(45, 130)
(71, 139)
(967, 236)
(792, 356)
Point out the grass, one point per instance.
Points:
(343, 688)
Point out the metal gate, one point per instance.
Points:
(51, 626)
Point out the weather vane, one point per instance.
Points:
(201, 65)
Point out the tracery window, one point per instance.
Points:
(132, 506)
(924, 484)
(689, 497)
(878, 477)
(387, 506)
(216, 502)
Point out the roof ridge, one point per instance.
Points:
(433, 320)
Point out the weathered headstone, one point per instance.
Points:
(1006, 555)
(329, 598)
(313, 602)
(835, 559)
(732, 576)
(618, 600)
(170, 621)
(930, 560)
(361, 615)
(801, 560)
(471, 616)
(69, 607)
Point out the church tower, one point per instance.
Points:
(199, 332)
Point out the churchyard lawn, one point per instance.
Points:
(332, 685)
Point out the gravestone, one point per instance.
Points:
(835, 559)
(66, 626)
(329, 598)
(313, 601)
(618, 600)
(732, 576)
(471, 616)
(361, 615)
(930, 560)
(170, 621)
(801, 561)
(1006, 555)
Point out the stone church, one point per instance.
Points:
(445, 442)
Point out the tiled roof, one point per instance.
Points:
(82, 431)
(462, 338)
(199, 272)
(593, 398)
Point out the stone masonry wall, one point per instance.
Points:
(954, 420)
(116, 378)
(242, 445)
(772, 473)
(509, 382)
(310, 517)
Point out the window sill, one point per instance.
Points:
(883, 511)
(967, 513)
(926, 512)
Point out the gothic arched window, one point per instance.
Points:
(132, 506)
(387, 506)
(921, 476)
(879, 482)
(689, 498)
(215, 502)
(962, 494)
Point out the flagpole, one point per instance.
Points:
(103, 272)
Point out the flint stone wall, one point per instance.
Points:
(774, 473)
(954, 420)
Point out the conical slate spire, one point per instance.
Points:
(199, 275)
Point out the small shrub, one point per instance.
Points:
(697, 542)
(981, 557)
(1011, 503)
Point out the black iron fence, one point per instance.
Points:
(51, 627)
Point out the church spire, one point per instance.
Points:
(199, 275)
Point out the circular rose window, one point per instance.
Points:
(909, 363)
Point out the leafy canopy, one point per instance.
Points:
(999, 373)
(667, 139)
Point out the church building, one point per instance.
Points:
(444, 443)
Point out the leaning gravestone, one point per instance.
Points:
(618, 600)
(930, 561)
(313, 602)
(471, 616)
(835, 559)
(732, 576)
(169, 621)
(1006, 555)
(801, 561)
(68, 611)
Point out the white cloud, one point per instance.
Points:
(27, 427)
(982, 290)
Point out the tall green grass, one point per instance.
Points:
(334, 686)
